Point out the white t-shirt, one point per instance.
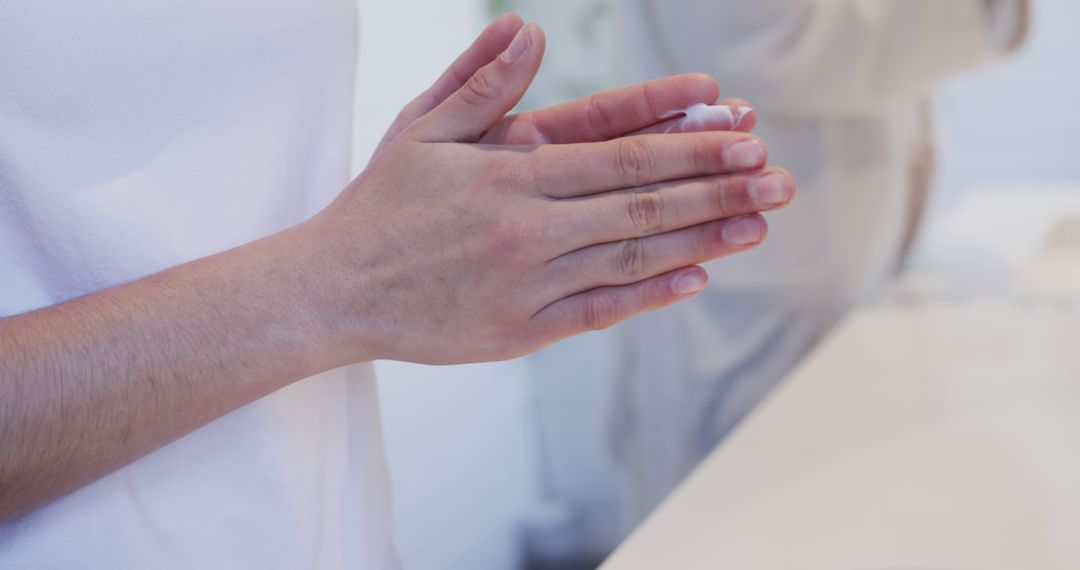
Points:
(135, 136)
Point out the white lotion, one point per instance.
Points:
(701, 117)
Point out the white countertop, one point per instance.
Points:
(940, 430)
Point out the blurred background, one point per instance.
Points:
(502, 465)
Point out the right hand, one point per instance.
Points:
(445, 250)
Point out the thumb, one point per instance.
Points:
(488, 95)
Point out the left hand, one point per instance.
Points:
(606, 115)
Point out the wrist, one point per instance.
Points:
(322, 302)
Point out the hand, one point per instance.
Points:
(631, 110)
(449, 248)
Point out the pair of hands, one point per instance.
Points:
(475, 235)
(471, 236)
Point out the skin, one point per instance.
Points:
(464, 240)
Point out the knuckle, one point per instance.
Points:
(598, 117)
(709, 239)
(479, 90)
(649, 96)
(704, 155)
(633, 161)
(515, 241)
(531, 178)
(720, 196)
(629, 258)
(601, 311)
(515, 174)
(459, 74)
(645, 210)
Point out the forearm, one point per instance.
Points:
(90, 385)
(451, 247)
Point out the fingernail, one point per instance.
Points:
(740, 113)
(745, 154)
(689, 283)
(770, 190)
(519, 45)
(742, 231)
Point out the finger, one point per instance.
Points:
(727, 115)
(668, 206)
(632, 260)
(603, 307)
(572, 170)
(488, 94)
(607, 114)
(487, 46)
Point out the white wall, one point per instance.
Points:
(460, 440)
(461, 444)
(1016, 121)
(1013, 122)
(1009, 124)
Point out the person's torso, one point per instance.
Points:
(136, 136)
(698, 367)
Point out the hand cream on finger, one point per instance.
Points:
(702, 117)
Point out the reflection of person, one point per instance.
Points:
(178, 252)
(841, 89)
